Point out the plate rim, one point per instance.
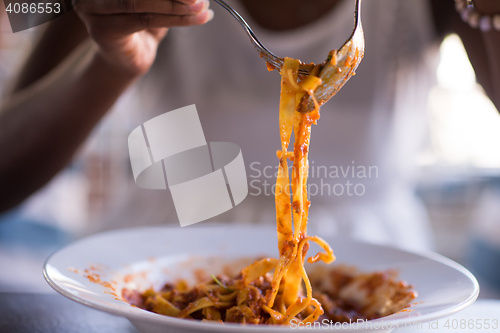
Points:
(145, 316)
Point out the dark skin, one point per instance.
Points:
(72, 80)
(292, 13)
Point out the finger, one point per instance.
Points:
(167, 7)
(158, 33)
(126, 24)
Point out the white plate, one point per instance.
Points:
(138, 258)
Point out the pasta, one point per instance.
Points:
(344, 293)
(293, 242)
(255, 296)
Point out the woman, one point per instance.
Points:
(70, 81)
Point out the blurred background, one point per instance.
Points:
(459, 178)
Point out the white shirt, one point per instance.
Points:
(376, 122)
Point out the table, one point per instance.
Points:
(53, 313)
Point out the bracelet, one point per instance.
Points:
(475, 19)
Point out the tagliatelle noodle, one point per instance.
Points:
(292, 210)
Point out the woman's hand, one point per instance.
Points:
(128, 31)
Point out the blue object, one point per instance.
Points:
(16, 229)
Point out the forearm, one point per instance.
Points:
(482, 47)
(58, 40)
(42, 126)
(491, 40)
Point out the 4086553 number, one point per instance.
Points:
(471, 324)
(34, 8)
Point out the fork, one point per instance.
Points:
(357, 37)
